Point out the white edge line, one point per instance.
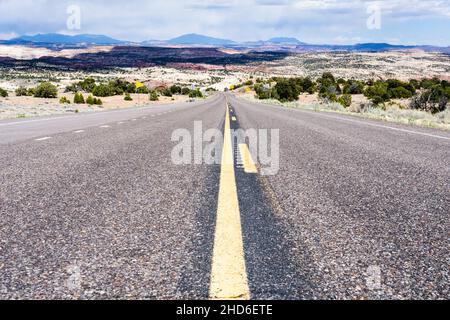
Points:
(89, 114)
(43, 139)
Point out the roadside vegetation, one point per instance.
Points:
(125, 88)
(89, 92)
(3, 93)
(64, 100)
(154, 95)
(46, 90)
(43, 90)
(93, 101)
(424, 102)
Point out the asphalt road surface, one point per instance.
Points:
(92, 207)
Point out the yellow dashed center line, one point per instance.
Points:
(228, 272)
(249, 164)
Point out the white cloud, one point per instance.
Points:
(309, 20)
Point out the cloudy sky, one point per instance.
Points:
(313, 21)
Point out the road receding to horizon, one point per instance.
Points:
(93, 207)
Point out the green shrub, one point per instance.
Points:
(73, 88)
(21, 91)
(185, 91)
(46, 90)
(153, 95)
(175, 89)
(166, 93)
(142, 90)
(195, 94)
(414, 83)
(78, 99)
(98, 102)
(307, 85)
(328, 77)
(87, 84)
(119, 87)
(429, 83)
(433, 100)
(130, 88)
(93, 101)
(287, 89)
(64, 100)
(90, 100)
(3, 93)
(103, 90)
(329, 89)
(353, 87)
(329, 97)
(378, 93)
(265, 92)
(127, 97)
(30, 92)
(345, 100)
(400, 93)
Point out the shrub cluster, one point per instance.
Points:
(46, 90)
(64, 100)
(43, 90)
(431, 95)
(177, 90)
(434, 97)
(78, 98)
(122, 87)
(112, 88)
(22, 91)
(195, 94)
(167, 92)
(380, 92)
(93, 101)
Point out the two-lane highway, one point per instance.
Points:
(99, 210)
(361, 208)
(92, 206)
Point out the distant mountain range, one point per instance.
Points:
(198, 39)
(59, 41)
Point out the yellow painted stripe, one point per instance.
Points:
(249, 164)
(228, 272)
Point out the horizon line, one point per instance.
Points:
(220, 38)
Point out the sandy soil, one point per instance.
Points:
(27, 53)
(24, 107)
